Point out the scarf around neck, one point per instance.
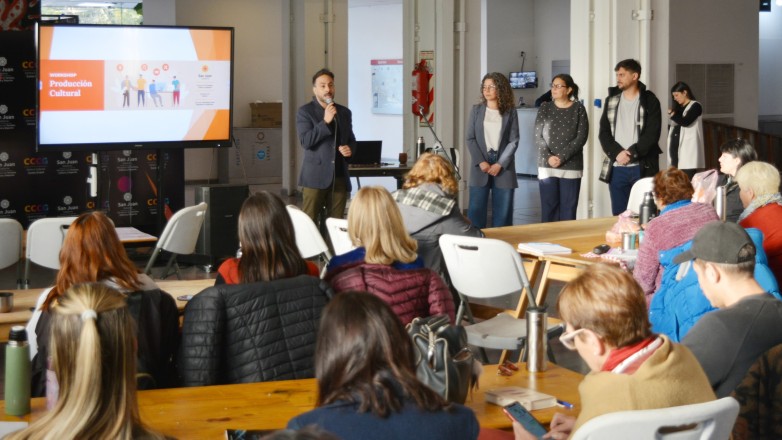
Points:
(759, 202)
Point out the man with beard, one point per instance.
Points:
(629, 132)
(325, 131)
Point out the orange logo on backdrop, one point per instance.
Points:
(60, 96)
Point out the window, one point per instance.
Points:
(94, 12)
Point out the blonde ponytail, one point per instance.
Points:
(93, 356)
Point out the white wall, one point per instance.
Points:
(552, 39)
(257, 55)
(705, 31)
(510, 30)
(770, 68)
(366, 27)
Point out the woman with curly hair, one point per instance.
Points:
(492, 139)
(427, 202)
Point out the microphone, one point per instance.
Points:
(330, 101)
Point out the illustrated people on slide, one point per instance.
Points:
(175, 83)
(126, 91)
(141, 84)
(154, 94)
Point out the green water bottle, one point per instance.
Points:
(17, 373)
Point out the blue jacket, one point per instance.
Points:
(680, 302)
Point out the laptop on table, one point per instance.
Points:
(366, 154)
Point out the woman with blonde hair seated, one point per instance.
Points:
(92, 252)
(386, 261)
(427, 202)
(759, 194)
(367, 383)
(631, 368)
(94, 357)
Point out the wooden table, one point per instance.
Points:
(206, 412)
(25, 300)
(579, 235)
(393, 170)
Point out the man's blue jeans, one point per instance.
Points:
(622, 180)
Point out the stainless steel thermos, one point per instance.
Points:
(537, 342)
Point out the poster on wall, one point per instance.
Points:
(387, 86)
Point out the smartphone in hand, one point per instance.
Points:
(520, 414)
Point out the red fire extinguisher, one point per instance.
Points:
(421, 100)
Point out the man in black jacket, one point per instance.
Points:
(325, 131)
(630, 132)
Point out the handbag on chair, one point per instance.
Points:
(444, 362)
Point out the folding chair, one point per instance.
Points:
(704, 421)
(487, 268)
(11, 246)
(308, 238)
(338, 233)
(44, 241)
(179, 237)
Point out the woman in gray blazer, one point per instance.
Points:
(492, 138)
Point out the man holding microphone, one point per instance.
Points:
(325, 131)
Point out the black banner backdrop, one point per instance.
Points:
(54, 184)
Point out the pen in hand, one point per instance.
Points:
(564, 404)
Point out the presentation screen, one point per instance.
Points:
(127, 87)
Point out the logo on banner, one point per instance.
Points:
(126, 153)
(66, 154)
(6, 168)
(127, 196)
(3, 61)
(3, 109)
(36, 208)
(4, 205)
(261, 154)
(67, 201)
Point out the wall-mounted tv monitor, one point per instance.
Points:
(127, 87)
(523, 80)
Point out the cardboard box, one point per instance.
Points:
(266, 114)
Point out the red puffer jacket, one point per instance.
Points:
(410, 293)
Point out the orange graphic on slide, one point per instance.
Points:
(71, 85)
(214, 45)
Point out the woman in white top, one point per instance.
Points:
(685, 132)
(492, 139)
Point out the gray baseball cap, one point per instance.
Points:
(718, 242)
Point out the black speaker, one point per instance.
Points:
(218, 237)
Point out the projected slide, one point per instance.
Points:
(133, 84)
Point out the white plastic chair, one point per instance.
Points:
(11, 246)
(338, 233)
(308, 238)
(488, 268)
(44, 241)
(711, 420)
(179, 237)
(637, 192)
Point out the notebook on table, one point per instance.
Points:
(366, 154)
